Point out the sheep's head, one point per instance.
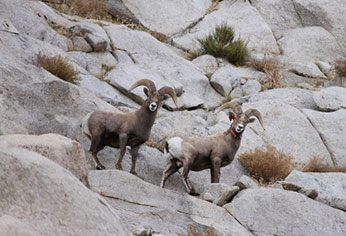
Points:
(154, 97)
(240, 119)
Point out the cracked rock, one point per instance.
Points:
(97, 43)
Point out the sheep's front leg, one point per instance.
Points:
(215, 169)
(122, 145)
(134, 154)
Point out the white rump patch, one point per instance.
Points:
(174, 146)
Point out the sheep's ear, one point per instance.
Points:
(252, 120)
(146, 91)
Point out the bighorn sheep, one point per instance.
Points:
(208, 152)
(132, 129)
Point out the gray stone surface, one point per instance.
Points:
(236, 93)
(12, 226)
(219, 193)
(50, 199)
(246, 21)
(166, 16)
(97, 43)
(245, 182)
(300, 98)
(280, 15)
(207, 63)
(327, 14)
(251, 87)
(63, 151)
(224, 80)
(141, 204)
(288, 130)
(309, 44)
(269, 211)
(159, 60)
(330, 99)
(330, 187)
(331, 127)
(80, 44)
(306, 69)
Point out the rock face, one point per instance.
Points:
(43, 198)
(330, 99)
(218, 193)
(330, 187)
(50, 199)
(246, 21)
(224, 80)
(142, 205)
(63, 151)
(166, 17)
(309, 43)
(328, 15)
(165, 65)
(331, 127)
(284, 124)
(299, 98)
(12, 226)
(207, 63)
(267, 211)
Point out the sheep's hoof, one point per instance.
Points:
(118, 167)
(100, 167)
(133, 172)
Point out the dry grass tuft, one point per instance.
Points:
(270, 66)
(267, 165)
(193, 232)
(317, 165)
(340, 67)
(97, 9)
(94, 9)
(58, 66)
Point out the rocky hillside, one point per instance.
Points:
(294, 76)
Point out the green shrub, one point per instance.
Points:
(221, 43)
(58, 66)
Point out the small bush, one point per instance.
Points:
(340, 67)
(267, 165)
(270, 66)
(194, 232)
(317, 165)
(58, 66)
(95, 9)
(221, 43)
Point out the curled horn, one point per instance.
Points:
(170, 91)
(145, 82)
(232, 105)
(257, 114)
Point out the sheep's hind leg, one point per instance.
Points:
(134, 153)
(171, 168)
(189, 188)
(122, 145)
